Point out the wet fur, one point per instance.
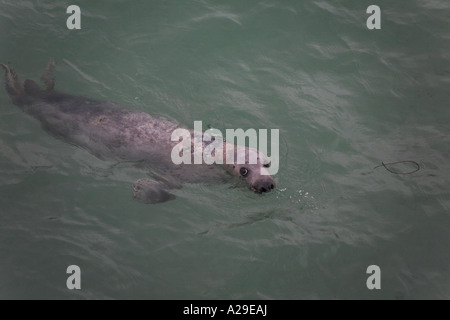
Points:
(110, 131)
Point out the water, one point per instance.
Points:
(345, 98)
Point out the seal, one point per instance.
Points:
(110, 131)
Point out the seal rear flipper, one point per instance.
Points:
(13, 86)
(48, 78)
(151, 191)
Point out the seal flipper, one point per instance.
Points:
(151, 191)
(13, 86)
(48, 78)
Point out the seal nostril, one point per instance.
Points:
(262, 190)
(272, 186)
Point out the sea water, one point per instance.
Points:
(344, 97)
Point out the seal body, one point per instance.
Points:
(110, 131)
(102, 127)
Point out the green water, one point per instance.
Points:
(344, 98)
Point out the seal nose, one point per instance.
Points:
(265, 186)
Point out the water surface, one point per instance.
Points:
(344, 98)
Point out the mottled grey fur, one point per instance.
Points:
(112, 132)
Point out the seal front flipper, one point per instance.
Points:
(150, 191)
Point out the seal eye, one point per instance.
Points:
(267, 165)
(243, 171)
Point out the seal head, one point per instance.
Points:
(256, 174)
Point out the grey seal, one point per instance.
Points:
(110, 131)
